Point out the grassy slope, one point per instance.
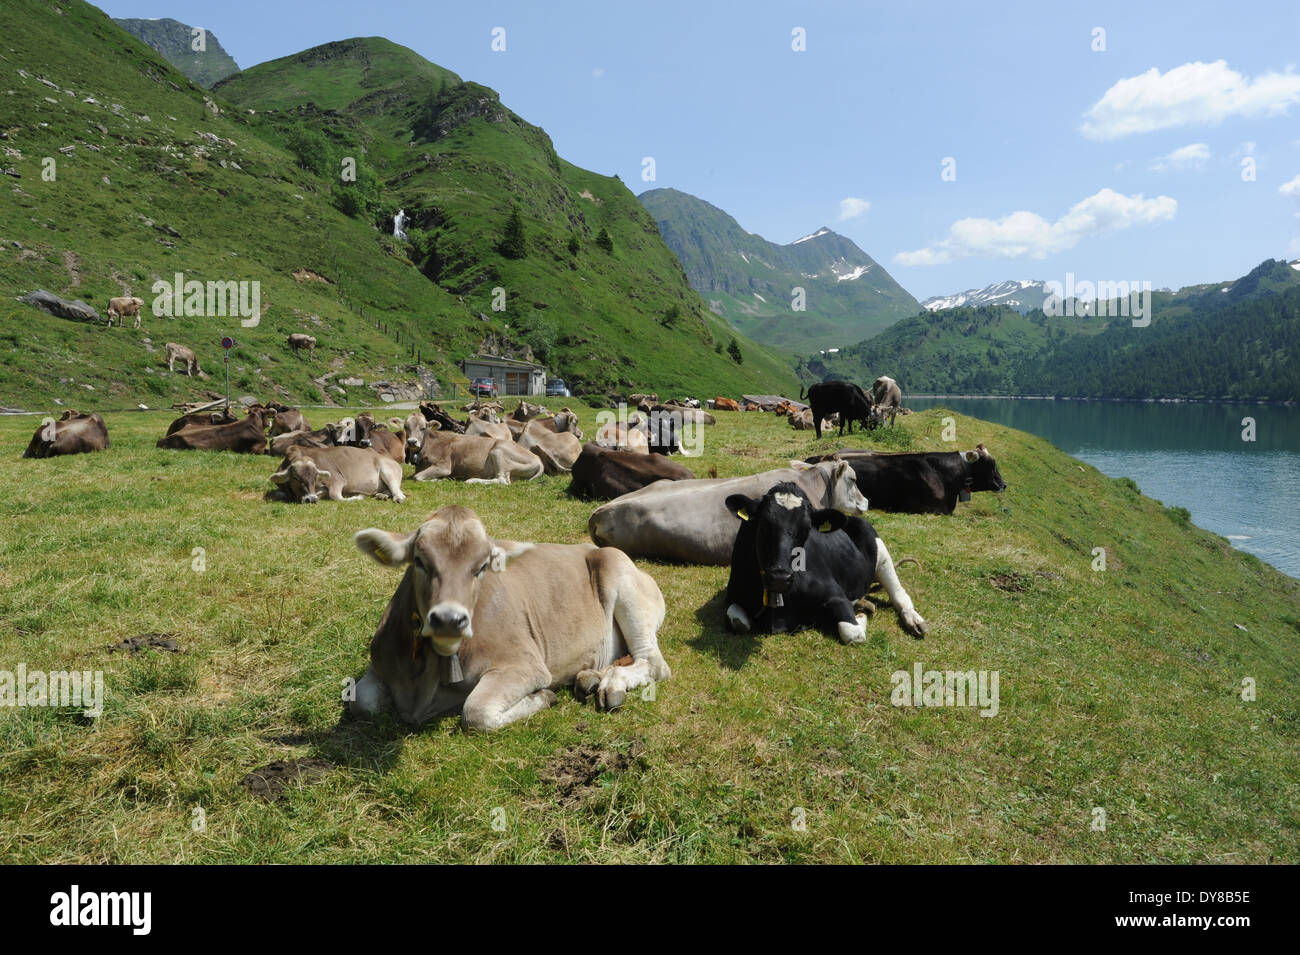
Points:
(82, 237)
(1119, 689)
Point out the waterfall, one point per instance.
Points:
(398, 221)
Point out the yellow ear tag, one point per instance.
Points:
(742, 514)
(764, 597)
(825, 527)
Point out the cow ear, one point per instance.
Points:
(434, 425)
(323, 476)
(281, 477)
(802, 465)
(828, 520)
(505, 551)
(971, 456)
(742, 506)
(387, 549)
(49, 431)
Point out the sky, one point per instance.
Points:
(959, 144)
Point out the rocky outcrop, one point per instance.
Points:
(77, 310)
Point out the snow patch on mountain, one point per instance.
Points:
(822, 231)
(1000, 293)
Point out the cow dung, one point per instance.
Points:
(270, 781)
(154, 641)
(575, 771)
(1014, 583)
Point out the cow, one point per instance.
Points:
(688, 521)
(928, 482)
(173, 352)
(487, 423)
(123, 306)
(624, 436)
(298, 341)
(844, 397)
(74, 433)
(433, 412)
(474, 459)
(557, 450)
(222, 416)
(244, 436)
(803, 421)
(369, 433)
(287, 419)
(685, 413)
(604, 473)
(795, 566)
(492, 628)
(527, 412)
(726, 404)
(340, 473)
(886, 399)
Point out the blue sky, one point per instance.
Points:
(1117, 164)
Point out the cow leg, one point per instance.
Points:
(739, 619)
(371, 696)
(638, 614)
(851, 626)
(888, 577)
(505, 696)
(394, 487)
(495, 470)
(433, 472)
(137, 319)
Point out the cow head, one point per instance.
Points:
(841, 486)
(566, 420)
(984, 473)
(782, 520)
(363, 424)
(446, 558)
(342, 432)
(301, 478)
(415, 426)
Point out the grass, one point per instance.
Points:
(1119, 689)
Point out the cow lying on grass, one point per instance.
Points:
(926, 482)
(340, 474)
(244, 435)
(473, 459)
(604, 473)
(795, 566)
(493, 628)
(689, 521)
(74, 433)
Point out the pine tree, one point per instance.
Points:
(604, 241)
(512, 243)
(734, 351)
(574, 245)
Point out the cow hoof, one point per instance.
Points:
(737, 619)
(585, 685)
(854, 631)
(612, 698)
(914, 624)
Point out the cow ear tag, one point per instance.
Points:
(825, 527)
(742, 513)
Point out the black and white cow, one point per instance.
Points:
(922, 482)
(795, 566)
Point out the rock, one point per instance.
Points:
(351, 382)
(76, 310)
(247, 400)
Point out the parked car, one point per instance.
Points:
(483, 388)
(556, 388)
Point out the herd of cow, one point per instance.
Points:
(462, 634)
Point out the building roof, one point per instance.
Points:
(504, 362)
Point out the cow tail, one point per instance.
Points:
(801, 391)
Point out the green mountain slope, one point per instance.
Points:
(175, 41)
(153, 175)
(750, 281)
(1231, 340)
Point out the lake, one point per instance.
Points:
(1184, 454)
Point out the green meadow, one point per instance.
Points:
(1120, 689)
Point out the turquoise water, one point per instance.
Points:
(1186, 455)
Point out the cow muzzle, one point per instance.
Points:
(448, 622)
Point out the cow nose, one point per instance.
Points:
(364, 443)
(450, 619)
(310, 499)
(778, 578)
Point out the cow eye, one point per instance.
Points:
(482, 570)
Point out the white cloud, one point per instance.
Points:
(598, 72)
(1291, 189)
(1191, 156)
(1192, 93)
(852, 208)
(1027, 235)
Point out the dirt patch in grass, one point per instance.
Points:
(1012, 583)
(270, 781)
(150, 641)
(576, 771)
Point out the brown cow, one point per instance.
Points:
(371, 434)
(485, 422)
(558, 450)
(287, 419)
(299, 341)
(886, 398)
(604, 474)
(223, 416)
(358, 472)
(74, 433)
(122, 306)
(173, 351)
(463, 632)
(624, 436)
(473, 459)
(246, 436)
(726, 404)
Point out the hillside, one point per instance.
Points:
(1237, 339)
(154, 175)
(176, 41)
(1119, 689)
(749, 280)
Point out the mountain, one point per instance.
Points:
(157, 176)
(1024, 295)
(1238, 339)
(176, 42)
(750, 281)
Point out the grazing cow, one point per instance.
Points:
(604, 474)
(340, 474)
(557, 450)
(245, 436)
(688, 520)
(74, 433)
(492, 628)
(842, 397)
(886, 398)
(287, 419)
(795, 566)
(173, 352)
(474, 459)
(726, 404)
(123, 306)
(929, 482)
(299, 341)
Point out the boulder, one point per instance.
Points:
(76, 310)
